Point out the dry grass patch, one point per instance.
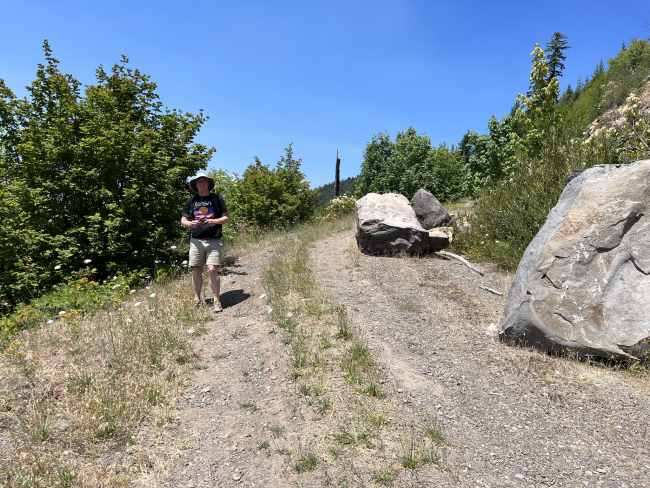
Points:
(74, 392)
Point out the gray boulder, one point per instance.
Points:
(583, 282)
(387, 223)
(429, 212)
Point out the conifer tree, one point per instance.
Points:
(555, 55)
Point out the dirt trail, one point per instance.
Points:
(511, 417)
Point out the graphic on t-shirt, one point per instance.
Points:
(203, 212)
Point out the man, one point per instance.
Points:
(205, 213)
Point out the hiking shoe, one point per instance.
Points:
(198, 303)
(217, 306)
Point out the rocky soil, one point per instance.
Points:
(510, 417)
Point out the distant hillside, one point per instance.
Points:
(327, 191)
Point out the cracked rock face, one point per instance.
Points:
(583, 283)
(387, 223)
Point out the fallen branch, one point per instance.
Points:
(491, 290)
(462, 260)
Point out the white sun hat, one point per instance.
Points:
(201, 175)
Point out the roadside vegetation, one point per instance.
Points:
(76, 390)
(342, 390)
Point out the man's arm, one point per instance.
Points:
(224, 219)
(186, 222)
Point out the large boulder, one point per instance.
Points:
(583, 282)
(387, 223)
(428, 210)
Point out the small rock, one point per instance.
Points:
(492, 330)
(520, 476)
(236, 477)
(206, 389)
(399, 390)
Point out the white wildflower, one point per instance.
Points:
(62, 313)
(173, 247)
(147, 276)
(132, 291)
(86, 261)
(58, 266)
(152, 295)
(185, 262)
(156, 261)
(115, 286)
(289, 314)
(50, 321)
(190, 331)
(496, 242)
(137, 304)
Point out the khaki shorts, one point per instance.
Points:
(204, 252)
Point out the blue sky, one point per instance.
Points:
(325, 75)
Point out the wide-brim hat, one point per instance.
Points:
(201, 175)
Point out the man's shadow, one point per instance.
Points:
(233, 297)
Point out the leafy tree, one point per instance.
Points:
(541, 102)
(95, 177)
(490, 157)
(408, 164)
(555, 50)
(273, 196)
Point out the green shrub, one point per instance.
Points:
(337, 207)
(273, 197)
(99, 175)
(408, 164)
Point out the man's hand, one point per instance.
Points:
(210, 222)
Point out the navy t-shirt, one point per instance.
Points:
(211, 206)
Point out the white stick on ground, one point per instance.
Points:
(462, 260)
(491, 290)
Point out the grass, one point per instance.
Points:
(239, 332)
(323, 405)
(276, 430)
(343, 333)
(373, 390)
(250, 406)
(264, 445)
(351, 436)
(376, 419)
(384, 477)
(306, 463)
(434, 432)
(107, 371)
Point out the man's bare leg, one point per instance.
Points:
(215, 280)
(215, 284)
(197, 281)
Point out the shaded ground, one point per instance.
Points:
(511, 417)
